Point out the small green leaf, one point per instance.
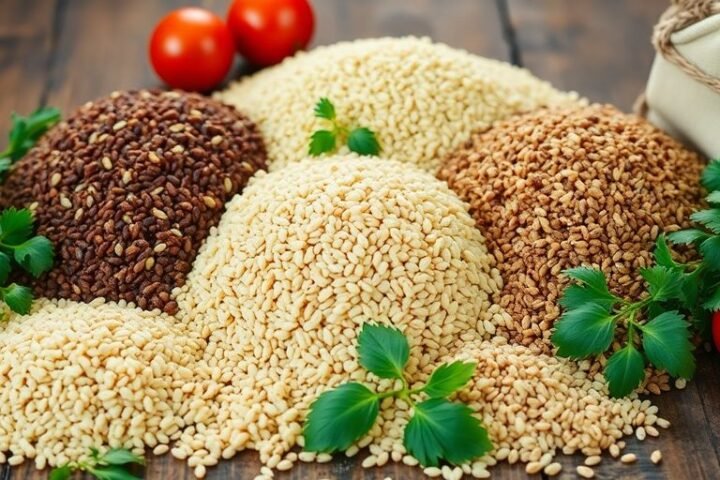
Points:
(710, 218)
(663, 256)
(112, 472)
(121, 456)
(362, 141)
(60, 473)
(584, 331)
(4, 268)
(711, 176)
(666, 343)
(17, 297)
(625, 371)
(26, 130)
(714, 197)
(340, 417)
(383, 351)
(593, 288)
(449, 378)
(35, 255)
(322, 141)
(16, 226)
(710, 250)
(442, 430)
(713, 303)
(325, 109)
(686, 237)
(663, 283)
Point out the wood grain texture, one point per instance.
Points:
(69, 51)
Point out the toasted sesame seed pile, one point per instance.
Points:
(421, 98)
(74, 376)
(577, 186)
(127, 189)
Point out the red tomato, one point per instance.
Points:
(266, 31)
(192, 49)
(716, 329)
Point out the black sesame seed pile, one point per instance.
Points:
(128, 188)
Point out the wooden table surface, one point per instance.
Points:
(65, 52)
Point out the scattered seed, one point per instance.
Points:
(593, 460)
(55, 179)
(656, 456)
(628, 458)
(585, 472)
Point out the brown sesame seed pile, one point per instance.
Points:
(558, 189)
(128, 188)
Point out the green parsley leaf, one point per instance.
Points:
(625, 371)
(4, 267)
(322, 141)
(17, 297)
(593, 288)
(120, 456)
(714, 197)
(663, 256)
(666, 343)
(449, 378)
(710, 250)
(584, 331)
(440, 429)
(383, 351)
(709, 218)
(15, 225)
(340, 417)
(25, 132)
(663, 283)
(711, 176)
(60, 473)
(325, 109)
(35, 255)
(686, 237)
(111, 472)
(362, 141)
(713, 302)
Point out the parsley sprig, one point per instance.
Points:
(438, 429)
(360, 140)
(19, 248)
(113, 464)
(24, 133)
(657, 327)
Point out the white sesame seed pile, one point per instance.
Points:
(421, 98)
(74, 375)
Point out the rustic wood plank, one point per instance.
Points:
(599, 48)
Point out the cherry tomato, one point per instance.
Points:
(192, 49)
(266, 31)
(716, 329)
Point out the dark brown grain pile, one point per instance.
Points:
(557, 189)
(128, 188)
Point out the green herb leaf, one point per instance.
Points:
(322, 141)
(714, 197)
(440, 429)
(35, 255)
(686, 237)
(710, 250)
(584, 331)
(666, 343)
(663, 283)
(340, 417)
(625, 371)
(713, 302)
(26, 130)
(383, 351)
(663, 256)
(710, 218)
(16, 226)
(362, 141)
(711, 176)
(112, 472)
(17, 297)
(60, 473)
(4, 268)
(121, 456)
(325, 109)
(449, 378)
(593, 288)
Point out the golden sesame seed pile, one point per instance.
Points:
(421, 98)
(269, 314)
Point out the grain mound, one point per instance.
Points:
(127, 189)
(74, 376)
(579, 186)
(298, 262)
(421, 98)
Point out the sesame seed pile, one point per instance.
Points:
(577, 186)
(127, 189)
(421, 98)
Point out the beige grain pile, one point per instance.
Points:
(74, 376)
(421, 98)
(298, 262)
(577, 186)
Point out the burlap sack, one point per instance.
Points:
(683, 92)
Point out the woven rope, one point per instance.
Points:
(681, 14)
